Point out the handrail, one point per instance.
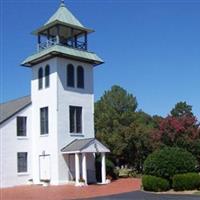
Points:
(55, 41)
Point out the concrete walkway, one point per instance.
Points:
(66, 192)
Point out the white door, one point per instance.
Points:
(45, 167)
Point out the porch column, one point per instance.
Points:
(77, 168)
(86, 43)
(58, 34)
(39, 42)
(84, 167)
(103, 168)
(72, 39)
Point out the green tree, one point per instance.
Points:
(125, 131)
(114, 112)
(137, 137)
(181, 109)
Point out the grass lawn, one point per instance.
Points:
(197, 193)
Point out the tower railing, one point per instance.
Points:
(58, 41)
(48, 43)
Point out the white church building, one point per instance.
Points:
(49, 135)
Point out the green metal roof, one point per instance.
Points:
(58, 50)
(65, 17)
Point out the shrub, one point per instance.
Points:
(134, 174)
(128, 172)
(124, 172)
(188, 181)
(169, 161)
(110, 169)
(155, 184)
(116, 172)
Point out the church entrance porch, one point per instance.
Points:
(81, 160)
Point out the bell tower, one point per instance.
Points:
(62, 36)
(61, 94)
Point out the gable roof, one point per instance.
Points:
(85, 145)
(10, 108)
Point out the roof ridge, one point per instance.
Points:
(11, 100)
(86, 138)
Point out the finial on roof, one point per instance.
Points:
(62, 3)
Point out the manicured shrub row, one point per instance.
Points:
(188, 181)
(168, 162)
(155, 184)
(170, 168)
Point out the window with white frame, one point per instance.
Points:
(22, 162)
(21, 126)
(44, 122)
(70, 75)
(40, 78)
(47, 78)
(75, 113)
(80, 77)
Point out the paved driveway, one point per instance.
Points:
(146, 196)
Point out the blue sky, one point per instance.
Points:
(151, 48)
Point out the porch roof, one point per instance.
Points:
(88, 145)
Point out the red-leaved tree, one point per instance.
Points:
(182, 131)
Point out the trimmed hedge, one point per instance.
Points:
(188, 181)
(169, 161)
(155, 184)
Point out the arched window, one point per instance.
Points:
(40, 77)
(80, 77)
(70, 75)
(47, 71)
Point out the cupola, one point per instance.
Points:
(62, 35)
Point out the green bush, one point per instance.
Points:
(124, 172)
(155, 184)
(188, 181)
(134, 174)
(110, 169)
(169, 161)
(116, 173)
